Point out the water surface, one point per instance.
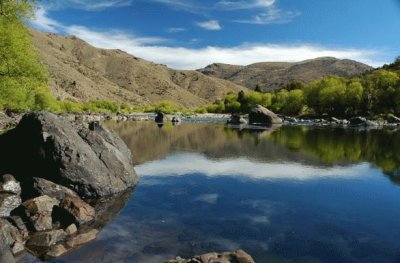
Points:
(289, 194)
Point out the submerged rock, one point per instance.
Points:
(227, 257)
(260, 115)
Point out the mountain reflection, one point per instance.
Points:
(311, 146)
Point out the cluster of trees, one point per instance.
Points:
(23, 79)
(376, 92)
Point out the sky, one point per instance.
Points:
(191, 34)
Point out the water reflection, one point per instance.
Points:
(314, 146)
(283, 195)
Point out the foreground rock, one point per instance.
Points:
(92, 162)
(56, 165)
(262, 116)
(228, 257)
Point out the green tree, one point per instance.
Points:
(23, 79)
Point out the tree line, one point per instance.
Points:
(373, 93)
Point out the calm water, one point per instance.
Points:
(292, 194)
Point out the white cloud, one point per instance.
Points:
(176, 29)
(235, 5)
(271, 16)
(197, 164)
(91, 5)
(151, 48)
(43, 22)
(210, 25)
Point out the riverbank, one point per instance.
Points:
(8, 121)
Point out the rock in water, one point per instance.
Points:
(260, 115)
(94, 163)
(227, 257)
(160, 118)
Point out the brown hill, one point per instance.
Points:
(274, 75)
(82, 72)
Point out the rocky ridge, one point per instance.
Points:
(274, 75)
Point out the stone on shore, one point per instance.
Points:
(39, 211)
(262, 116)
(8, 184)
(8, 203)
(82, 211)
(44, 187)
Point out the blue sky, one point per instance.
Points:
(189, 34)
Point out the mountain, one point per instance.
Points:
(274, 75)
(82, 72)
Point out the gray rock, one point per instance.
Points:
(8, 184)
(236, 119)
(39, 211)
(94, 163)
(10, 237)
(46, 239)
(160, 118)
(56, 251)
(239, 256)
(393, 119)
(6, 256)
(82, 238)
(8, 203)
(82, 211)
(45, 187)
(355, 121)
(260, 115)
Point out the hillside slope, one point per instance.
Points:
(273, 75)
(82, 72)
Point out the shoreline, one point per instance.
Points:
(9, 121)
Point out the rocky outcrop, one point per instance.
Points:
(262, 116)
(92, 162)
(227, 257)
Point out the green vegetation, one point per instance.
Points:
(23, 79)
(371, 94)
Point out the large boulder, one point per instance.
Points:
(93, 162)
(262, 116)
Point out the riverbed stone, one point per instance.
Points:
(39, 211)
(8, 203)
(56, 251)
(10, 236)
(239, 256)
(46, 239)
(81, 210)
(82, 238)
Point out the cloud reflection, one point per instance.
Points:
(183, 164)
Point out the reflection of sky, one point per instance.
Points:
(183, 164)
